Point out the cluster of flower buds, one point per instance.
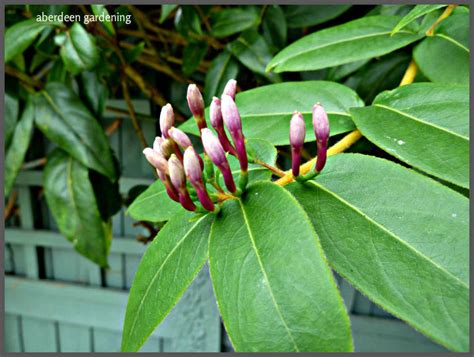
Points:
(297, 136)
(177, 162)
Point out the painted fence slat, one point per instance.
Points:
(39, 335)
(74, 338)
(12, 333)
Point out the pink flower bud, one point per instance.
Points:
(193, 170)
(196, 104)
(218, 125)
(157, 144)
(178, 179)
(215, 152)
(321, 131)
(231, 117)
(167, 148)
(179, 137)
(230, 88)
(297, 135)
(161, 165)
(166, 119)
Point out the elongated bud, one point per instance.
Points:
(230, 88)
(179, 137)
(161, 166)
(215, 151)
(231, 117)
(166, 119)
(196, 105)
(193, 171)
(157, 143)
(167, 148)
(297, 135)
(321, 132)
(218, 124)
(178, 179)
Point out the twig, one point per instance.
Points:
(123, 111)
(114, 126)
(34, 164)
(203, 18)
(10, 205)
(11, 71)
(273, 169)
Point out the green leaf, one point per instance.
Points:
(230, 21)
(166, 9)
(310, 15)
(444, 57)
(154, 205)
(266, 111)
(339, 72)
(166, 270)
(20, 141)
(95, 92)
(64, 120)
(132, 54)
(107, 193)
(187, 21)
(353, 41)
(222, 68)
(274, 27)
(11, 117)
(79, 51)
(399, 237)
(101, 10)
(274, 289)
(425, 125)
(193, 54)
(252, 51)
(21, 35)
(416, 12)
(72, 202)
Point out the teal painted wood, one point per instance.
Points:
(74, 338)
(12, 333)
(39, 335)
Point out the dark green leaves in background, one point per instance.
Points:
(223, 68)
(310, 15)
(274, 289)
(71, 199)
(166, 270)
(425, 125)
(388, 230)
(228, 22)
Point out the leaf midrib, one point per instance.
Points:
(260, 263)
(390, 233)
(159, 271)
(452, 40)
(420, 120)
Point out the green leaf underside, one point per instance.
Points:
(400, 238)
(154, 205)
(415, 13)
(425, 125)
(222, 68)
(79, 51)
(20, 141)
(63, 119)
(444, 57)
(263, 110)
(356, 40)
(71, 200)
(274, 289)
(21, 35)
(166, 270)
(311, 15)
(228, 22)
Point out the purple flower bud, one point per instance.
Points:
(193, 170)
(231, 117)
(214, 150)
(178, 179)
(196, 104)
(161, 166)
(230, 88)
(166, 148)
(218, 125)
(179, 137)
(157, 144)
(297, 135)
(166, 119)
(321, 131)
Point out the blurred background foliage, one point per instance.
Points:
(61, 75)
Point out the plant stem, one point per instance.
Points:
(410, 74)
(273, 169)
(444, 15)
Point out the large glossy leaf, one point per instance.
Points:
(95, 92)
(11, 116)
(230, 21)
(425, 125)
(399, 237)
(252, 51)
(274, 289)
(266, 111)
(310, 15)
(166, 270)
(355, 40)
(274, 27)
(154, 205)
(223, 68)
(21, 35)
(444, 57)
(61, 116)
(71, 199)
(79, 51)
(15, 154)
(416, 12)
